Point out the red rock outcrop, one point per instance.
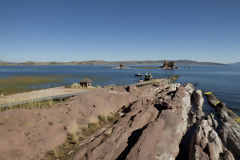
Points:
(228, 129)
(146, 131)
(31, 133)
(207, 145)
(153, 121)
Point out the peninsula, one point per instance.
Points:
(151, 120)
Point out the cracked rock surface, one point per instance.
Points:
(152, 129)
(155, 122)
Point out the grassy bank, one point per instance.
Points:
(74, 140)
(35, 104)
(17, 84)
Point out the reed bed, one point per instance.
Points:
(18, 84)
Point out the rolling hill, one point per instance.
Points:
(101, 62)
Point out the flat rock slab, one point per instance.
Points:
(151, 129)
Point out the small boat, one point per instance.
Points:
(147, 77)
(138, 75)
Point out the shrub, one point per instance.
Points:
(76, 85)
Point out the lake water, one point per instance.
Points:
(223, 80)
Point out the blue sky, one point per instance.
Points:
(77, 30)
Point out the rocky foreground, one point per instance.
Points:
(155, 120)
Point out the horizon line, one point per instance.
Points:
(27, 61)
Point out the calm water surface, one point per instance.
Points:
(223, 80)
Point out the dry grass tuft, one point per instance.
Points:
(71, 145)
(34, 104)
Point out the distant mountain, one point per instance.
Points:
(101, 62)
(3, 63)
(189, 62)
(235, 64)
(147, 62)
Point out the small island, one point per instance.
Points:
(169, 65)
(121, 66)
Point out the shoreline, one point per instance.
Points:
(36, 96)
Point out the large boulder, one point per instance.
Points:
(229, 131)
(190, 88)
(206, 144)
(198, 99)
(131, 88)
(228, 126)
(156, 141)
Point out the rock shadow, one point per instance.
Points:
(132, 140)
